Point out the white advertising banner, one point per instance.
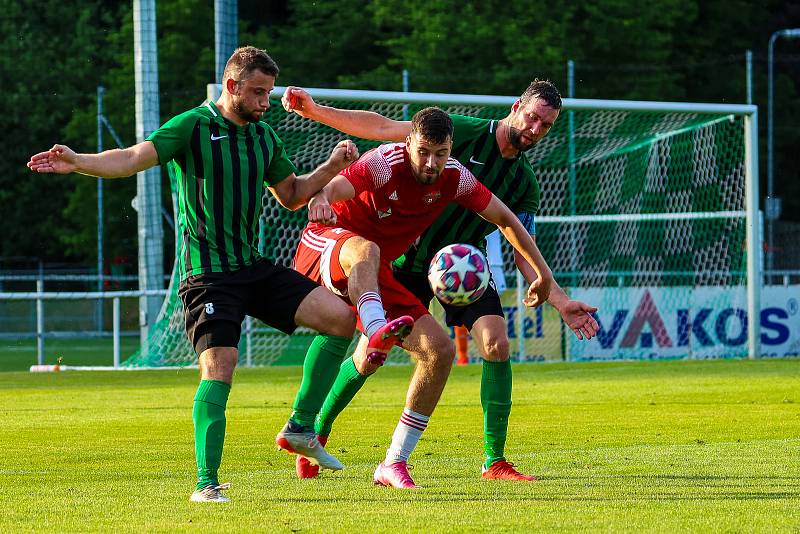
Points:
(540, 330)
(686, 322)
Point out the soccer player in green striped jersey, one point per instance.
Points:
(224, 156)
(493, 151)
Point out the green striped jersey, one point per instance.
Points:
(221, 171)
(511, 180)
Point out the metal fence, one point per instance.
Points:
(45, 328)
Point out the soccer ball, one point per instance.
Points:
(458, 274)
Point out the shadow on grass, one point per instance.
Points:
(427, 494)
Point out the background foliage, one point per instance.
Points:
(55, 54)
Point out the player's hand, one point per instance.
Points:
(320, 211)
(297, 100)
(538, 292)
(343, 154)
(578, 316)
(60, 159)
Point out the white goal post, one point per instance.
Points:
(641, 201)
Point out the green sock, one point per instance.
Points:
(320, 367)
(209, 429)
(347, 384)
(496, 402)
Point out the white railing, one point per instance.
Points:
(40, 296)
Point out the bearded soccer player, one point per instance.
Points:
(224, 156)
(494, 152)
(388, 197)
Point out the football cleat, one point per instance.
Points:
(304, 468)
(391, 334)
(394, 475)
(210, 494)
(503, 470)
(305, 443)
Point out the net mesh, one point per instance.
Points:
(642, 215)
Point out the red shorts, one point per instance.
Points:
(317, 257)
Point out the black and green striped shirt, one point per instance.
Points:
(511, 180)
(221, 171)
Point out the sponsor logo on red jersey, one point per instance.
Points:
(432, 197)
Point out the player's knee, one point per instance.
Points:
(441, 352)
(496, 349)
(369, 249)
(365, 250)
(218, 363)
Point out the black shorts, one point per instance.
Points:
(488, 304)
(215, 304)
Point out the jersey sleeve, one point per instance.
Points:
(369, 172)
(471, 194)
(528, 221)
(280, 166)
(173, 137)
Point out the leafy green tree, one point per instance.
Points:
(319, 44)
(55, 54)
(186, 65)
(52, 52)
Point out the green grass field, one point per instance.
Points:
(660, 447)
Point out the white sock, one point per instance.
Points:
(406, 436)
(370, 309)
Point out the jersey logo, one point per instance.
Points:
(393, 196)
(384, 214)
(430, 198)
(209, 308)
(473, 160)
(217, 137)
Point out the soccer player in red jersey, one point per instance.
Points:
(368, 216)
(494, 151)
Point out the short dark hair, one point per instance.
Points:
(433, 125)
(245, 60)
(544, 89)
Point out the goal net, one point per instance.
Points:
(644, 214)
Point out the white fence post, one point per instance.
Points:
(40, 322)
(520, 317)
(249, 336)
(116, 332)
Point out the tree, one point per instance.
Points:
(43, 85)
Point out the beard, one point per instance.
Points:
(243, 113)
(515, 138)
(425, 179)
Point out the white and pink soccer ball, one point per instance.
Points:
(458, 274)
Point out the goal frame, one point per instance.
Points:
(747, 111)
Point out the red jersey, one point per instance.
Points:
(391, 208)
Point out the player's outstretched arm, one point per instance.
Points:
(359, 123)
(319, 207)
(116, 163)
(294, 192)
(576, 314)
(516, 234)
